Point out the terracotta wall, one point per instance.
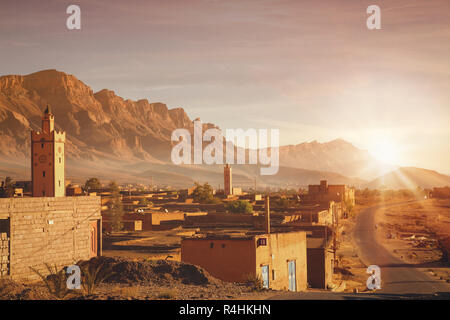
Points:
(228, 260)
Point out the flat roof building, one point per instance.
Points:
(279, 259)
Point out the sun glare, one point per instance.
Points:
(385, 150)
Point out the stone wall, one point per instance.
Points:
(54, 231)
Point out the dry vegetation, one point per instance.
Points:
(351, 269)
(418, 233)
(126, 279)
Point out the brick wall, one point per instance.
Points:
(56, 231)
(4, 254)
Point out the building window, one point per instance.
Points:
(42, 145)
(43, 173)
(43, 193)
(60, 160)
(211, 245)
(223, 245)
(273, 274)
(59, 183)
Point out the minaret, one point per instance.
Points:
(47, 159)
(228, 186)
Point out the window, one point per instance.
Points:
(60, 160)
(262, 242)
(42, 145)
(223, 245)
(273, 274)
(43, 173)
(211, 245)
(59, 183)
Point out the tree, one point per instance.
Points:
(203, 193)
(145, 202)
(116, 207)
(239, 206)
(349, 207)
(282, 203)
(92, 183)
(7, 191)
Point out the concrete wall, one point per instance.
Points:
(225, 259)
(280, 248)
(56, 231)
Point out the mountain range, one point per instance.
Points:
(129, 141)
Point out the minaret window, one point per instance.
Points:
(43, 173)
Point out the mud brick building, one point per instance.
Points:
(320, 262)
(58, 231)
(279, 259)
(324, 192)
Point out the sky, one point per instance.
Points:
(310, 68)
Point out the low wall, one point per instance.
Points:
(56, 231)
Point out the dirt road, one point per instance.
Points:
(399, 280)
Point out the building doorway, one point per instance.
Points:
(94, 238)
(265, 276)
(4, 247)
(292, 280)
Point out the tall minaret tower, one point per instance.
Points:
(47, 159)
(228, 185)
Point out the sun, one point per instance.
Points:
(384, 150)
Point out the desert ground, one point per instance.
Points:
(416, 233)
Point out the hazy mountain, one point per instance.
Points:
(335, 156)
(121, 139)
(410, 178)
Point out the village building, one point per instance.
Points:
(47, 159)
(320, 257)
(443, 193)
(48, 228)
(324, 192)
(278, 259)
(227, 177)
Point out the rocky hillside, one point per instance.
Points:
(114, 138)
(98, 125)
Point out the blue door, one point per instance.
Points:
(265, 276)
(291, 270)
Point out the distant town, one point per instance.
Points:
(256, 243)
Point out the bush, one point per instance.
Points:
(203, 193)
(239, 206)
(254, 281)
(93, 276)
(55, 282)
(167, 294)
(92, 183)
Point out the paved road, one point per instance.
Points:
(399, 280)
(397, 276)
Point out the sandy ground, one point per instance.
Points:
(145, 244)
(351, 270)
(411, 233)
